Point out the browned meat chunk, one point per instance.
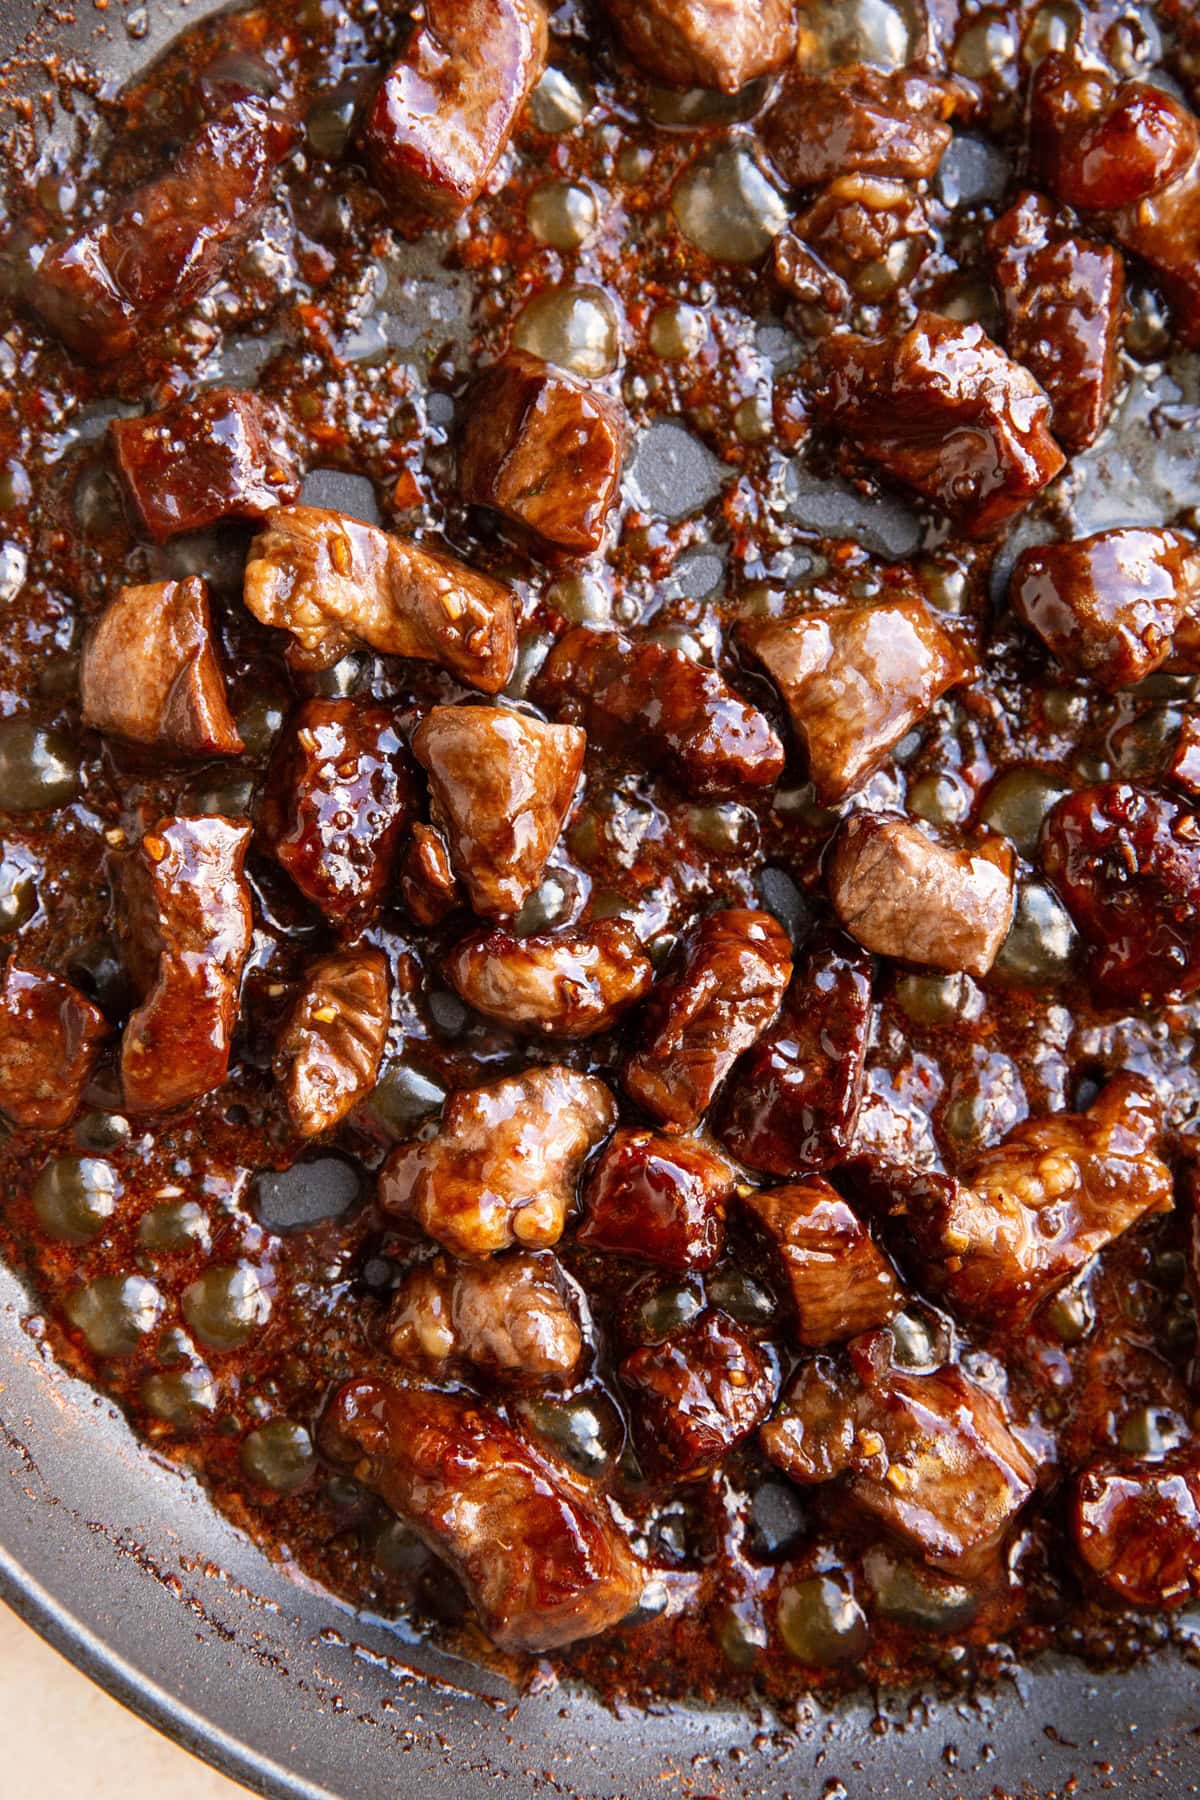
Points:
(185, 925)
(697, 1394)
(1033, 1210)
(928, 1457)
(657, 1199)
(446, 110)
(860, 231)
(332, 1042)
(511, 1318)
(150, 672)
(701, 1019)
(684, 717)
(218, 456)
(163, 245)
(855, 679)
(502, 784)
(572, 985)
(943, 410)
(1064, 306)
(1108, 606)
(333, 582)
(339, 797)
(502, 1169)
(706, 43)
(427, 881)
(541, 1559)
(49, 1039)
(840, 1283)
(858, 121)
(792, 1105)
(1126, 861)
(903, 895)
(1136, 1528)
(543, 449)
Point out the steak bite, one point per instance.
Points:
(445, 111)
(501, 785)
(49, 1039)
(543, 449)
(150, 673)
(333, 582)
(1126, 861)
(157, 250)
(699, 1020)
(1136, 1528)
(902, 894)
(859, 120)
(1031, 1211)
(930, 1458)
(840, 1283)
(185, 924)
(792, 1103)
(329, 1051)
(855, 679)
(658, 1200)
(339, 797)
(1108, 606)
(512, 1318)
(220, 455)
(540, 1556)
(706, 43)
(502, 1169)
(943, 410)
(1064, 307)
(836, 247)
(697, 1394)
(571, 984)
(685, 718)
(427, 882)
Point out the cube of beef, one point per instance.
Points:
(329, 1051)
(427, 882)
(49, 1040)
(165, 244)
(699, 1020)
(220, 455)
(855, 679)
(840, 1283)
(930, 1458)
(697, 1394)
(859, 120)
(793, 1101)
(514, 1318)
(856, 227)
(1126, 861)
(1136, 1528)
(685, 718)
(469, 1485)
(1064, 307)
(503, 1167)
(706, 43)
(543, 449)
(185, 923)
(340, 795)
(942, 409)
(150, 671)
(1108, 605)
(1031, 1211)
(333, 582)
(902, 894)
(501, 785)
(569, 984)
(657, 1199)
(445, 111)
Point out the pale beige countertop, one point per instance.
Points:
(66, 1740)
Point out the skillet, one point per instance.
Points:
(124, 1567)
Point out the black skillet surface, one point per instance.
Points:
(125, 1567)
